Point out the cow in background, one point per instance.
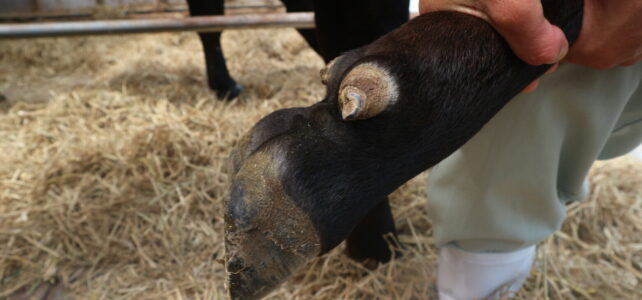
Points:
(340, 26)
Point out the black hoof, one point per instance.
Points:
(371, 241)
(229, 93)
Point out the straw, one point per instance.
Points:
(113, 175)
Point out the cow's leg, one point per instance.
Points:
(218, 76)
(344, 25)
(308, 34)
(304, 178)
(369, 240)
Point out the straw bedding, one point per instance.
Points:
(113, 172)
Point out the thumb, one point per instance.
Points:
(523, 25)
(521, 22)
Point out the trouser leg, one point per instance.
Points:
(506, 189)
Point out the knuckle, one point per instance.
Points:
(507, 19)
(545, 55)
(508, 13)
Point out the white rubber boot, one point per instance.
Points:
(466, 275)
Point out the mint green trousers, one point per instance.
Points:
(507, 187)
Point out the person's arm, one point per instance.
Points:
(611, 32)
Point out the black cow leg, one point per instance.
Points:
(344, 25)
(218, 76)
(305, 179)
(369, 241)
(309, 35)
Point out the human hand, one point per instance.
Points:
(520, 22)
(611, 34)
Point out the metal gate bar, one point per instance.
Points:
(209, 23)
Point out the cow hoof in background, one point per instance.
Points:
(229, 92)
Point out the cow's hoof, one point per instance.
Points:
(229, 93)
(267, 236)
(373, 253)
(373, 241)
(256, 264)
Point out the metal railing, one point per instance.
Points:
(208, 23)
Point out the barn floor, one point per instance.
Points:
(113, 173)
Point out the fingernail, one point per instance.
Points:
(562, 54)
